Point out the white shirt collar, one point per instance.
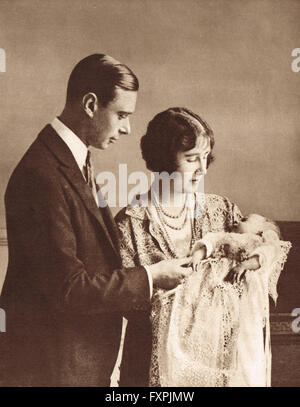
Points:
(77, 146)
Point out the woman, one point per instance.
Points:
(166, 225)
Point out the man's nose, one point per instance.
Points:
(125, 129)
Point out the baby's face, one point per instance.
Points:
(251, 224)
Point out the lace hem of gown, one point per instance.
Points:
(208, 333)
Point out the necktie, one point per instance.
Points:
(89, 175)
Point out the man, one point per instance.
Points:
(65, 290)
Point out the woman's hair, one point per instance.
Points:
(169, 132)
(102, 75)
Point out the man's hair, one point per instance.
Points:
(102, 75)
(169, 132)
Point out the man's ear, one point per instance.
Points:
(90, 104)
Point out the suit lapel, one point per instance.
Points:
(71, 171)
(76, 179)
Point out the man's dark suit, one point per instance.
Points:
(65, 291)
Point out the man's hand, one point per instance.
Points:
(167, 274)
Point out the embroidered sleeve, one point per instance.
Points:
(233, 214)
(220, 215)
(127, 250)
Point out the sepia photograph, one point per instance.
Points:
(149, 195)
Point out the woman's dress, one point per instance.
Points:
(200, 331)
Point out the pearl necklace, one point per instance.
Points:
(164, 221)
(173, 216)
(170, 241)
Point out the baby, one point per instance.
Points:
(211, 332)
(253, 243)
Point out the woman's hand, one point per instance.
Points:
(198, 256)
(237, 273)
